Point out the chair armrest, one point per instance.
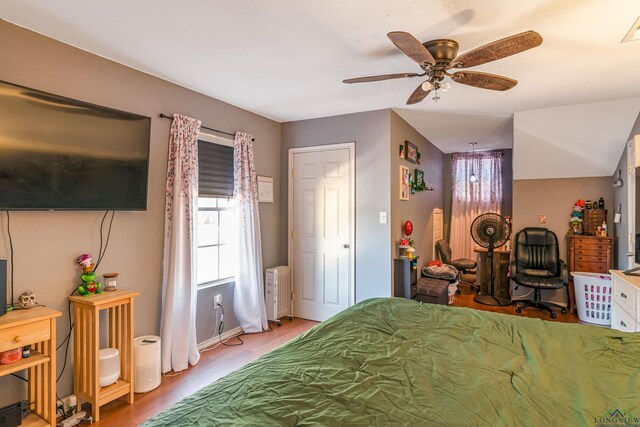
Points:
(564, 272)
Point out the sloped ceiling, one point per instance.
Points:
(286, 59)
(572, 141)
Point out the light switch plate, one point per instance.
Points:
(383, 217)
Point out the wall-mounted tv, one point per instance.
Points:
(57, 153)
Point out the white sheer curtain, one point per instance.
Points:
(248, 294)
(468, 200)
(179, 294)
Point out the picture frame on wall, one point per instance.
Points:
(405, 189)
(411, 152)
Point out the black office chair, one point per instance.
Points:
(463, 265)
(537, 265)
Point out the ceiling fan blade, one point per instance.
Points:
(417, 95)
(498, 49)
(381, 77)
(411, 47)
(484, 80)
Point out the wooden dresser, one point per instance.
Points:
(625, 305)
(589, 254)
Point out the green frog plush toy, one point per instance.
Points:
(89, 285)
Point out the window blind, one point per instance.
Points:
(215, 169)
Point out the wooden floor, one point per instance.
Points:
(223, 360)
(213, 365)
(465, 299)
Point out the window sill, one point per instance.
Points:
(216, 283)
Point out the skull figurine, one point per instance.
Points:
(27, 300)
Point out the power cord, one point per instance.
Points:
(10, 305)
(221, 329)
(102, 250)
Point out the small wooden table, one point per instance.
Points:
(35, 327)
(500, 271)
(86, 347)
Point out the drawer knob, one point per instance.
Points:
(19, 338)
(623, 295)
(623, 324)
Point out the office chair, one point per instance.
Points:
(537, 265)
(463, 265)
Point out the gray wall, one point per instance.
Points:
(621, 198)
(370, 131)
(507, 187)
(419, 208)
(47, 244)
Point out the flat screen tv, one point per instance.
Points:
(57, 153)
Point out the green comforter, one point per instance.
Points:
(394, 361)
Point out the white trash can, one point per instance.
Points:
(593, 297)
(146, 354)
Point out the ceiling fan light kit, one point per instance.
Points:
(437, 57)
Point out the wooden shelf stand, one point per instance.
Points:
(86, 344)
(35, 327)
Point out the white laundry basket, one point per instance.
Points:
(146, 353)
(593, 297)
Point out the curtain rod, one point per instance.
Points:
(164, 116)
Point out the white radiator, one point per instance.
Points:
(278, 293)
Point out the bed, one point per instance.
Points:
(396, 361)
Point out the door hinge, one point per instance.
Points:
(629, 168)
(292, 172)
(292, 234)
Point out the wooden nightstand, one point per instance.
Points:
(35, 327)
(86, 347)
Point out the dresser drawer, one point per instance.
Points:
(591, 252)
(621, 320)
(593, 267)
(591, 246)
(591, 258)
(22, 335)
(624, 294)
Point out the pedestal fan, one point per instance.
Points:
(490, 231)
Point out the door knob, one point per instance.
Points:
(346, 245)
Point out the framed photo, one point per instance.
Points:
(418, 183)
(411, 152)
(405, 189)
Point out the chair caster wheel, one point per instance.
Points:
(563, 311)
(458, 292)
(553, 315)
(518, 311)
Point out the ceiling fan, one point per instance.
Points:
(437, 57)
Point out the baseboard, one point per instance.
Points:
(225, 335)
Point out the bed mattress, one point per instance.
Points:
(394, 361)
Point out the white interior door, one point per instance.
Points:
(321, 230)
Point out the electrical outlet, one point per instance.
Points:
(217, 300)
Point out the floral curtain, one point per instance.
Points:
(249, 302)
(179, 293)
(469, 199)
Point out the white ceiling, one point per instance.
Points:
(558, 142)
(286, 59)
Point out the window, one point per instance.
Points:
(216, 257)
(216, 260)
